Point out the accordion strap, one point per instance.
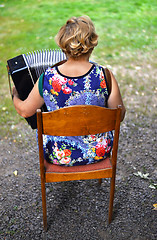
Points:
(9, 81)
(108, 79)
(58, 63)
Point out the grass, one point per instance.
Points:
(126, 29)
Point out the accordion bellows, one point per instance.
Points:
(25, 69)
(41, 60)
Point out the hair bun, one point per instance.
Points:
(77, 37)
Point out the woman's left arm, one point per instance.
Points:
(29, 106)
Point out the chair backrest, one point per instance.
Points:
(79, 120)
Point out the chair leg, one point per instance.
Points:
(100, 181)
(43, 190)
(112, 189)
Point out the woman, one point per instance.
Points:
(75, 82)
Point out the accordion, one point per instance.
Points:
(26, 69)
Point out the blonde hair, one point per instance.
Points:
(77, 37)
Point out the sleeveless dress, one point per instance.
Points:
(59, 91)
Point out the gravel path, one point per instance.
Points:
(79, 209)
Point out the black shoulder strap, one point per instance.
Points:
(59, 63)
(108, 79)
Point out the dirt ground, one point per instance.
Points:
(79, 209)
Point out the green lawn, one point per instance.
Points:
(126, 30)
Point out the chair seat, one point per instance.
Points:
(103, 164)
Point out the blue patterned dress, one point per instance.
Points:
(60, 91)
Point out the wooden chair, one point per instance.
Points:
(76, 121)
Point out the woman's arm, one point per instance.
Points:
(29, 106)
(115, 98)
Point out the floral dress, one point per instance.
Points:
(60, 91)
